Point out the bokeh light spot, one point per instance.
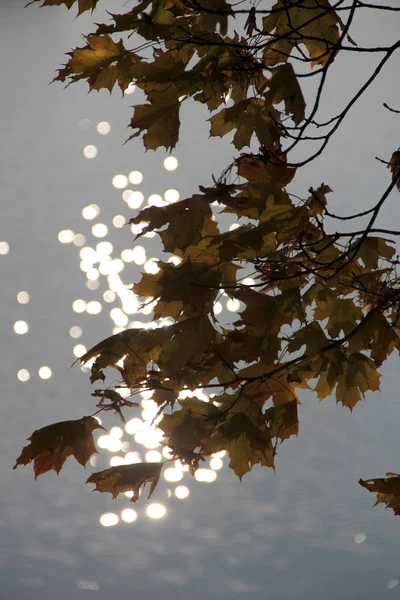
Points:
(66, 236)
(104, 249)
(79, 240)
(151, 266)
(79, 306)
(116, 432)
(233, 305)
(172, 474)
(153, 456)
(4, 248)
(120, 181)
(109, 519)
(90, 212)
(135, 177)
(119, 221)
(129, 515)
(21, 327)
(171, 195)
(45, 372)
(79, 350)
(182, 492)
(156, 510)
(205, 475)
(75, 331)
(109, 296)
(170, 163)
(139, 255)
(90, 151)
(103, 128)
(217, 308)
(23, 375)
(23, 297)
(133, 199)
(93, 307)
(99, 230)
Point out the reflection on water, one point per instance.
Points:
(140, 440)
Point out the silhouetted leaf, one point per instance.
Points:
(50, 446)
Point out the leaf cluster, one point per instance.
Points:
(318, 308)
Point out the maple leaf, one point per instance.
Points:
(260, 170)
(50, 446)
(377, 334)
(387, 490)
(284, 86)
(160, 120)
(83, 5)
(142, 345)
(353, 374)
(283, 420)
(249, 116)
(317, 201)
(127, 478)
(246, 443)
(313, 23)
(188, 222)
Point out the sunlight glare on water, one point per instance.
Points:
(171, 163)
(103, 127)
(90, 212)
(66, 236)
(4, 248)
(79, 350)
(90, 151)
(171, 195)
(21, 327)
(108, 519)
(205, 475)
(129, 515)
(182, 492)
(99, 230)
(23, 297)
(133, 199)
(156, 510)
(79, 306)
(120, 181)
(172, 474)
(23, 375)
(135, 177)
(45, 372)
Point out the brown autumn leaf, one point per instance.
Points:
(284, 86)
(83, 5)
(283, 420)
(387, 490)
(127, 478)
(260, 171)
(50, 446)
(394, 167)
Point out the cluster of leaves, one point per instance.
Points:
(322, 311)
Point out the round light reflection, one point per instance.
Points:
(156, 511)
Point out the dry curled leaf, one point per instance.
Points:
(127, 478)
(394, 167)
(50, 446)
(387, 490)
